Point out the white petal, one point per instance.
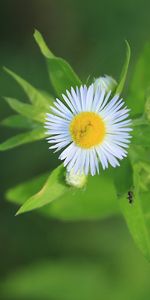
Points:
(83, 95)
(69, 102)
(77, 102)
(59, 113)
(89, 97)
(62, 107)
(105, 101)
(87, 162)
(101, 157)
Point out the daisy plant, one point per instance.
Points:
(103, 141)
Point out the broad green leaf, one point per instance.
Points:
(124, 70)
(71, 204)
(27, 110)
(53, 188)
(141, 156)
(36, 97)
(18, 121)
(141, 135)
(144, 178)
(25, 190)
(139, 153)
(123, 177)
(97, 200)
(134, 216)
(144, 175)
(140, 121)
(140, 83)
(60, 72)
(23, 138)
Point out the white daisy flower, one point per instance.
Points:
(92, 127)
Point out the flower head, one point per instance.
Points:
(105, 82)
(77, 180)
(91, 126)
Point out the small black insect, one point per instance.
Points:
(130, 197)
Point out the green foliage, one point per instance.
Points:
(124, 70)
(53, 188)
(36, 98)
(31, 116)
(134, 215)
(140, 83)
(17, 121)
(141, 135)
(75, 279)
(60, 72)
(23, 138)
(26, 110)
(63, 274)
(71, 203)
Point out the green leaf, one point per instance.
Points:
(134, 216)
(144, 176)
(36, 97)
(71, 204)
(23, 138)
(53, 188)
(123, 177)
(27, 110)
(41, 43)
(141, 135)
(18, 121)
(124, 70)
(60, 72)
(25, 190)
(140, 83)
(139, 153)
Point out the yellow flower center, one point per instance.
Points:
(87, 129)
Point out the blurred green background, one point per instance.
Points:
(49, 259)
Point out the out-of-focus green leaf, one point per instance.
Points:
(34, 95)
(82, 276)
(27, 110)
(23, 138)
(18, 121)
(140, 83)
(134, 216)
(124, 70)
(141, 135)
(144, 175)
(147, 106)
(60, 72)
(72, 204)
(140, 121)
(63, 279)
(139, 153)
